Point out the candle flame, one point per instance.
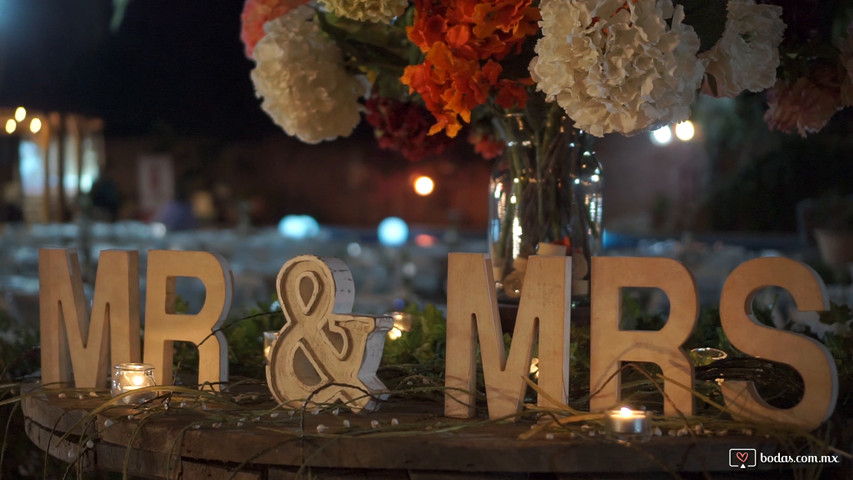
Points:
(137, 380)
(625, 412)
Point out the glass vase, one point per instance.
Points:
(544, 199)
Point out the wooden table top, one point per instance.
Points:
(406, 439)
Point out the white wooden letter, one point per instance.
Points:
(163, 326)
(324, 351)
(806, 355)
(72, 342)
(471, 303)
(609, 346)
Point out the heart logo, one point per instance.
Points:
(742, 456)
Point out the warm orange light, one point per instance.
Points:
(11, 125)
(425, 240)
(20, 114)
(424, 185)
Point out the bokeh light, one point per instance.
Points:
(662, 136)
(424, 185)
(685, 131)
(298, 227)
(393, 232)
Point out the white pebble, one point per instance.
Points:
(374, 424)
(698, 429)
(90, 444)
(79, 396)
(321, 428)
(592, 433)
(394, 421)
(586, 427)
(196, 426)
(274, 414)
(682, 432)
(256, 419)
(203, 406)
(130, 417)
(183, 404)
(62, 395)
(316, 411)
(93, 394)
(657, 432)
(409, 383)
(291, 413)
(346, 423)
(70, 454)
(336, 411)
(109, 423)
(240, 424)
(549, 436)
(217, 425)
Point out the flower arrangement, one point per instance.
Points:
(422, 71)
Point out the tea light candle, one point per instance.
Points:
(128, 377)
(627, 424)
(269, 340)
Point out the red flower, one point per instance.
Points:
(485, 143)
(404, 127)
(807, 105)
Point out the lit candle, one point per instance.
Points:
(269, 340)
(627, 424)
(402, 323)
(128, 377)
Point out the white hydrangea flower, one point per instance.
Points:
(747, 55)
(301, 77)
(616, 66)
(367, 10)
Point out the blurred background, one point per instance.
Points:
(134, 124)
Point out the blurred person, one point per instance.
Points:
(178, 214)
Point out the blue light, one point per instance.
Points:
(298, 227)
(393, 232)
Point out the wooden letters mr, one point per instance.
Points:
(71, 340)
(75, 346)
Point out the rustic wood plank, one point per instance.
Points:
(421, 442)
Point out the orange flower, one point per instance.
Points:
(462, 41)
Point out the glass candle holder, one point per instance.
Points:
(128, 377)
(628, 425)
(269, 340)
(706, 355)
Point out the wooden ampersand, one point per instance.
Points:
(323, 351)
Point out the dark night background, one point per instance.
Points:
(177, 65)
